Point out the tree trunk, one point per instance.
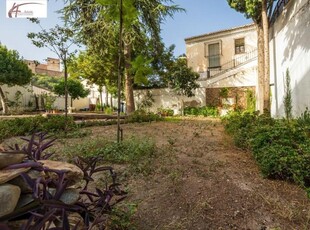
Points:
(111, 101)
(106, 97)
(3, 102)
(130, 104)
(261, 63)
(266, 108)
(100, 98)
(66, 89)
(36, 100)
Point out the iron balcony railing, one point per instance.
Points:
(234, 63)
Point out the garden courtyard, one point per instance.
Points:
(188, 174)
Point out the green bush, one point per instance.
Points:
(57, 123)
(142, 116)
(207, 111)
(165, 112)
(24, 126)
(281, 147)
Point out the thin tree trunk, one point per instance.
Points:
(66, 95)
(3, 102)
(101, 100)
(36, 100)
(106, 97)
(260, 58)
(130, 104)
(266, 58)
(119, 71)
(111, 101)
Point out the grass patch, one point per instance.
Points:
(138, 153)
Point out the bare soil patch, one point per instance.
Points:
(202, 181)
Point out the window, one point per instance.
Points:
(214, 55)
(239, 46)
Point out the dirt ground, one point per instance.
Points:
(202, 181)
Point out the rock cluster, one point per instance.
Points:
(15, 193)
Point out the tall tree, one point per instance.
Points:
(13, 71)
(257, 10)
(58, 40)
(141, 19)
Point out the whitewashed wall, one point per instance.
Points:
(290, 49)
(25, 97)
(166, 98)
(28, 92)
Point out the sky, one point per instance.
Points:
(201, 16)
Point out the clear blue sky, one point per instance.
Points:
(201, 16)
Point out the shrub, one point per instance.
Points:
(24, 126)
(142, 116)
(281, 147)
(207, 111)
(165, 112)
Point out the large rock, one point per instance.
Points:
(24, 200)
(74, 174)
(7, 159)
(9, 195)
(20, 182)
(69, 196)
(9, 174)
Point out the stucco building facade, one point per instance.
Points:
(225, 59)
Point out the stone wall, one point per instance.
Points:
(237, 95)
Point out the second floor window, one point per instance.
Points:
(239, 46)
(214, 55)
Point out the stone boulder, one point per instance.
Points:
(7, 159)
(20, 182)
(74, 174)
(9, 174)
(9, 196)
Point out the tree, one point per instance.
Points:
(97, 70)
(134, 21)
(75, 88)
(257, 10)
(137, 20)
(58, 40)
(182, 79)
(13, 71)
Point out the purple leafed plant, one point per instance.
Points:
(47, 211)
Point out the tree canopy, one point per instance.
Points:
(13, 71)
(182, 79)
(76, 89)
